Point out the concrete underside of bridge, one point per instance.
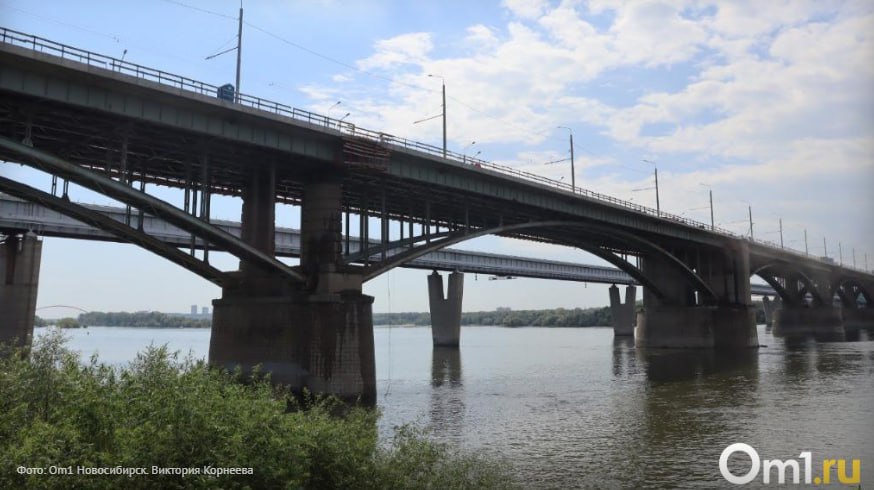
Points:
(678, 317)
(316, 336)
(19, 281)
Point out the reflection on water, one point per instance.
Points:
(447, 393)
(576, 408)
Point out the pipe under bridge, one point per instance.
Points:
(119, 129)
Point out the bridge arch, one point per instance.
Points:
(452, 238)
(771, 273)
(52, 164)
(849, 290)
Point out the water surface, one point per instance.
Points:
(574, 408)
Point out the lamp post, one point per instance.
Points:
(443, 86)
(710, 192)
(464, 152)
(656, 176)
(573, 172)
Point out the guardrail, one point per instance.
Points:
(43, 45)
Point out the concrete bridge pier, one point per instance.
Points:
(856, 318)
(316, 336)
(815, 320)
(623, 314)
(446, 311)
(770, 308)
(683, 318)
(19, 283)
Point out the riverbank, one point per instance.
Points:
(171, 423)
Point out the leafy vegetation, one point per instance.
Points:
(164, 412)
(151, 319)
(559, 317)
(68, 323)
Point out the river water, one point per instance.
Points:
(574, 408)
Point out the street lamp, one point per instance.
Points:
(573, 177)
(710, 191)
(656, 174)
(464, 151)
(443, 85)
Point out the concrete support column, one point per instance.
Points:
(678, 320)
(446, 311)
(316, 342)
(623, 314)
(824, 321)
(856, 318)
(316, 336)
(258, 219)
(770, 307)
(19, 283)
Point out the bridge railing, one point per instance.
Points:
(47, 46)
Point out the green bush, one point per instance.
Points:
(162, 411)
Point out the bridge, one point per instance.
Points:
(118, 128)
(18, 216)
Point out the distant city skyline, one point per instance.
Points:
(767, 105)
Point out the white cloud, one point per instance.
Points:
(405, 49)
(748, 97)
(527, 9)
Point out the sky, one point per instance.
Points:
(769, 105)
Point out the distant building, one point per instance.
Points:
(205, 311)
(194, 309)
(503, 308)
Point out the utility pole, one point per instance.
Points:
(444, 116)
(239, 53)
(854, 257)
(806, 251)
(573, 173)
(824, 248)
(750, 208)
(781, 232)
(573, 176)
(712, 223)
(840, 254)
(656, 174)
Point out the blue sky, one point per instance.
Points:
(768, 103)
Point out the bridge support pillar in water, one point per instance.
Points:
(19, 283)
(446, 311)
(682, 316)
(856, 318)
(696, 327)
(316, 336)
(770, 307)
(623, 314)
(816, 320)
